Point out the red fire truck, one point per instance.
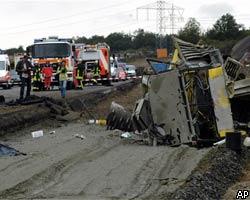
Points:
(53, 51)
(94, 63)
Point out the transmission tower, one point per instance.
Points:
(175, 14)
(167, 16)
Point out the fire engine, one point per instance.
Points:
(94, 62)
(54, 50)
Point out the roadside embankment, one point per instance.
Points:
(18, 117)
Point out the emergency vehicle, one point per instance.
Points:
(5, 76)
(94, 63)
(53, 51)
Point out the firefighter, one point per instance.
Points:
(79, 72)
(96, 72)
(37, 79)
(47, 72)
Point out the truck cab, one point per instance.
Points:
(54, 50)
(5, 76)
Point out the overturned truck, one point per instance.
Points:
(186, 101)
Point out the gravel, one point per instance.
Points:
(214, 175)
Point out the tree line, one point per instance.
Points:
(119, 41)
(223, 35)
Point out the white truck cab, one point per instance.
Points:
(5, 76)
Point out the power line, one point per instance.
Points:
(64, 24)
(165, 13)
(68, 16)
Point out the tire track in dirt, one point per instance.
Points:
(53, 174)
(148, 180)
(100, 167)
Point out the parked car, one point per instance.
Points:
(117, 69)
(121, 73)
(113, 71)
(130, 70)
(123, 65)
(15, 78)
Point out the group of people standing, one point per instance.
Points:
(42, 77)
(27, 71)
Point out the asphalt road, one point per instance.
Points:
(13, 93)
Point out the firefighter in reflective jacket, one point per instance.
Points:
(96, 72)
(37, 78)
(79, 72)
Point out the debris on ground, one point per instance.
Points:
(246, 142)
(9, 151)
(101, 122)
(221, 142)
(37, 134)
(52, 132)
(126, 135)
(79, 136)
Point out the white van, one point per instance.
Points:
(5, 76)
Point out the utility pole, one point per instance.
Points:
(167, 16)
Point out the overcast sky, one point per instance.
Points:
(22, 21)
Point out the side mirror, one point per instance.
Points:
(73, 48)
